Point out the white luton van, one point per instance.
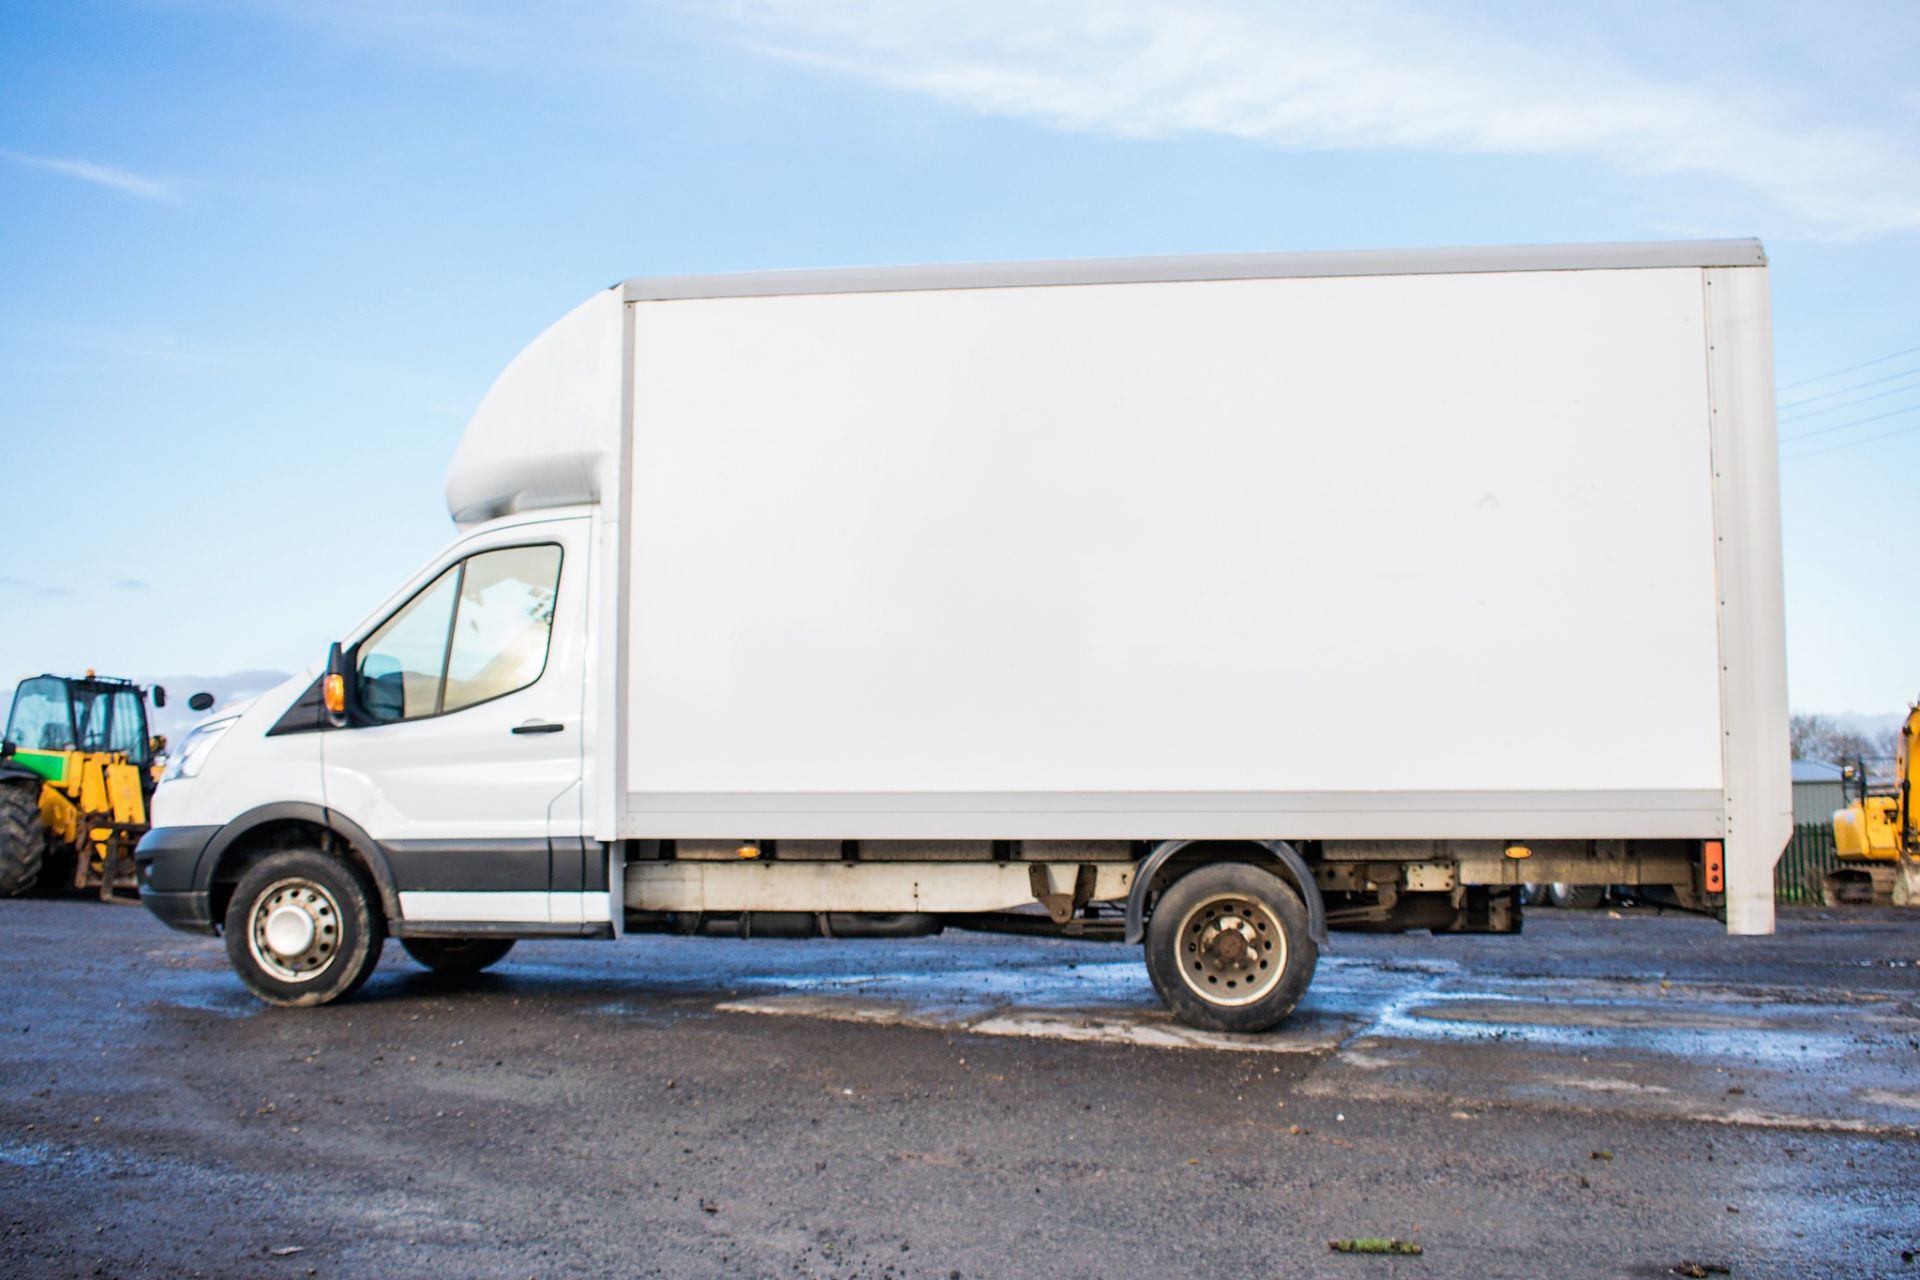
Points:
(1207, 603)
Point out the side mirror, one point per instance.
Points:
(201, 702)
(333, 687)
(159, 695)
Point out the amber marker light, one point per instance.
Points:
(334, 690)
(1716, 867)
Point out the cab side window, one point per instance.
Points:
(129, 731)
(502, 625)
(477, 632)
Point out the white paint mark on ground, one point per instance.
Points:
(1107, 1003)
(1904, 1100)
(840, 1009)
(1600, 1085)
(1312, 1036)
(1148, 1028)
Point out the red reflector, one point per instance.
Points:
(1716, 861)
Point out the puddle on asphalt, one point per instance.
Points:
(650, 1014)
(1113, 1001)
(227, 1004)
(1121, 983)
(1468, 1007)
(1681, 1032)
(75, 1159)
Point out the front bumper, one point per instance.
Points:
(188, 912)
(168, 863)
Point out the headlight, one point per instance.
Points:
(194, 751)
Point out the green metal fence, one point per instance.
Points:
(1800, 875)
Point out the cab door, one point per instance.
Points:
(463, 753)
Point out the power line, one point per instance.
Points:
(1848, 404)
(1849, 369)
(1848, 444)
(1857, 422)
(1854, 386)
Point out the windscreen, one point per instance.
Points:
(41, 719)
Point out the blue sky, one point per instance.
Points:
(260, 260)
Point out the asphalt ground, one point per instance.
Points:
(1598, 1096)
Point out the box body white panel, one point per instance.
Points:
(1350, 548)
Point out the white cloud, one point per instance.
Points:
(1374, 75)
(100, 175)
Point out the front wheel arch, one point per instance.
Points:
(291, 824)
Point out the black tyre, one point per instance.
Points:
(1229, 949)
(304, 929)
(1576, 897)
(457, 955)
(23, 841)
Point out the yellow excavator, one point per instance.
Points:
(1879, 832)
(76, 772)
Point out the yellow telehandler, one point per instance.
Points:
(1879, 832)
(76, 772)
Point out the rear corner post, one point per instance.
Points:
(1757, 790)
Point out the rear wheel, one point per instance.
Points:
(1229, 948)
(1576, 897)
(304, 929)
(23, 841)
(457, 955)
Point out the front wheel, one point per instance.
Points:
(304, 929)
(1229, 948)
(457, 955)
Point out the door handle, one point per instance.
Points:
(538, 726)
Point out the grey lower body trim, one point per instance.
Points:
(1194, 815)
(884, 888)
(473, 866)
(495, 929)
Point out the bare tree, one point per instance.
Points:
(1807, 735)
(1817, 737)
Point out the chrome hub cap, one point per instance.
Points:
(290, 932)
(294, 930)
(1232, 951)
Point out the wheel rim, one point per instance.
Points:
(1232, 950)
(294, 930)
